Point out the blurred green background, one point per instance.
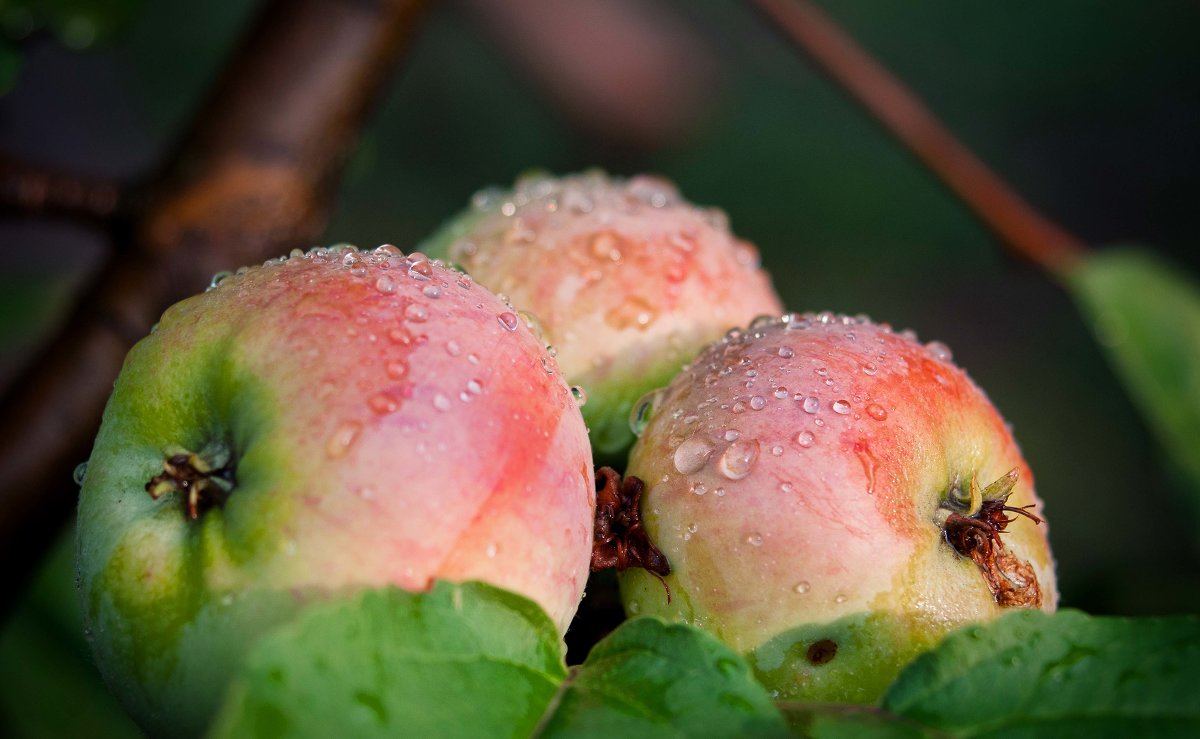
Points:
(1091, 109)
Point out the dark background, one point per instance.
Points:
(1090, 109)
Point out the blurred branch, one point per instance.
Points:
(28, 189)
(1020, 227)
(625, 71)
(253, 178)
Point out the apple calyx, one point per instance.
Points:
(202, 483)
(976, 536)
(619, 540)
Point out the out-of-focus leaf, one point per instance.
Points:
(51, 685)
(651, 679)
(10, 65)
(1147, 315)
(1065, 675)
(77, 23)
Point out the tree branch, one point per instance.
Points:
(1020, 227)
(253, 178)
(32, 190)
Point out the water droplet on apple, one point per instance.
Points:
(433, 292)
(692, 455)
(755, 539)
(869, 369)
(738, 459)
(452, 348)
(839, 598)
(79, 473)
(508, 320)
(777, 451)
(382, 404)
(758, 402)
(698, 488)
(732, 435)
(643, 409)
(218, 278)
(441, 402)
(342, 438)
(802, 587)
(786, 487)
(491, 550)
(876, 411)
(579, 395)
(786, 352)
(805, 439)
(416, 313)
(940, 351)
(385, 285)
(811, 404)
(841, 407)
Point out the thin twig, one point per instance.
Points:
(1016, 222)
(32, 190)
(254, 178)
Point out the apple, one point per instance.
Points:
(832, 498)
(327, 422)
(626, 279)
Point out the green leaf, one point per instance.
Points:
(461, 660)
(652, 679)
(1032, 674)
(1147, 315)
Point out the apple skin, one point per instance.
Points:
(627, 280)
(386, 427)
(797, 474)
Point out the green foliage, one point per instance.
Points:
(654, 679)
(1147, 314)
(470, 660)
(77, 23)
(1033, 674)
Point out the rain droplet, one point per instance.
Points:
(508, 320)
(841, 407)
(786, 487)
(869, 369)
(385, 284)
(416, 313)
(802, 587)
(738, 459)
(579, 395)
(777, 451)
(643, 409)
(388, 250)
(419, 270)
(939, 351)
(452, 348)
(218, 278)
(786, 352)
(755, 539)
(692, 455)
(805, 439)
(840, 598)
(698, 488)
(396, 369)
(876, 411)
(433, 292)
(382, 403)
(79, 473)
(474, 387)
(441, 402)
(341, 439)
(811, 404)
(781, 393)
(732, 435)
(758, 402)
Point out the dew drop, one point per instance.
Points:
(218, 278)
(453, 348)
(840, 598)
(939, 351)
(802, 587)
(342, 438)
(698, 488)
(396, 369)
(79, 473)
(385, 285)
(416, 313)
(786, 352)
(474, 387)
(386, 251)
(876, 411)
(579, 395)
(643, 409)
(787, 487)
(441, 402)
(841, 407)
(805, 439)
(738, 459)
(420, 270)
(692, 455)
(869, 369)
(781, 393)
(433, 292)
(777, 451)
(732, 435)
(755, 539)
(811, 404)
(508, 320)
(491, 550)
(382, 403)
(758, 402)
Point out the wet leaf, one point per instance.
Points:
(1146, 313)
(1064, 675)
(652, 679)
(461, 660)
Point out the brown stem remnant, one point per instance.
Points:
(977, 536)
(202, 486)
(253, 179)
(619, 539)
(894, 106)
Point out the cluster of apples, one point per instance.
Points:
(829, 494)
